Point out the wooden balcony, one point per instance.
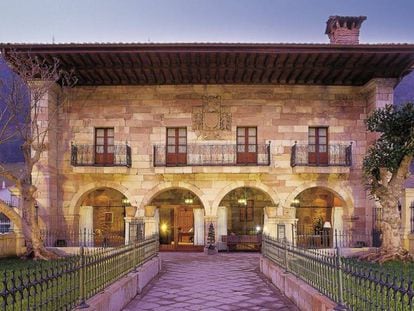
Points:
(213, 155)
(339, 159)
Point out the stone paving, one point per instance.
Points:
(195, 281)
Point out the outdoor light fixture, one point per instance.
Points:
(125, 202)
(164, 227)
(295, 203)
(188, 199)
(258, 228)
(243, 200)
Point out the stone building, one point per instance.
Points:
(249, 137)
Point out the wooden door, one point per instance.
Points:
(246, 145)
(185, 225)
(104, 146)
(176, 146)
(318, 146)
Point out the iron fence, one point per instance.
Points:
(92, 237)
(85, 155)
(66, 283)
(338, 155)
(348, 282)
(214, 155)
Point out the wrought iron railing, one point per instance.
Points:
(85, 155)
(213, 155)
(67, 283)
(91, 238)
(337, 155)
(351, 284)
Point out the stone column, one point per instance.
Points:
(86, 225)
(337, 219)
(407, 236)
(151, 221)
(221, 226)
(198, 226)
(127, 235)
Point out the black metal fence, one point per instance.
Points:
(214, 155)
(351, 284)
(85, 155)
(338, 155)
(327, 239)
(66, 283)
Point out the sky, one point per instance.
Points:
(59, 21)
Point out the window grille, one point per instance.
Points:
(5, 223)
(412, 216)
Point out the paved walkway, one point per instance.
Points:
(195, 281)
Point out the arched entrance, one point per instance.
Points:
(102, 218)
(241, 217)
(181, 220)
(319, 212)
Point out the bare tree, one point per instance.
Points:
(22, 116)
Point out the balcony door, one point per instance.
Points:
(104, 146)
(318, 146)
(176, 146)
(246, 145)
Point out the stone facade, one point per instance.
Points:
(141, 114)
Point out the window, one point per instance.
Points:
(104, 146)
(176, 146)
(246, 145)
(318, 146)
(247, 211)
(5, 223)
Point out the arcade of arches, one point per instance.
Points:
(180, 219)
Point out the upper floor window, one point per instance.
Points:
(318, 146)
(104, 146)
(176, 146)
(246, 145)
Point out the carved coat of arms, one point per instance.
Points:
(211, 119)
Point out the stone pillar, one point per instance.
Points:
(407, 236)
(86, 225)
(280, 222)
(207, 221)
(44, 174)
(198, 226)
(221, 226)
(337, 219)
(151, 221)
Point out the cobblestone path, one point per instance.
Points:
(195, 281)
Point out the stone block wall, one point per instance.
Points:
(282, 115)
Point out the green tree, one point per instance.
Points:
(386, 167)
(211, 237)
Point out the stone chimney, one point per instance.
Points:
(344, 29)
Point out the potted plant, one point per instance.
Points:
(211, 240)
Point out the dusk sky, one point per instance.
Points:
(196, 20)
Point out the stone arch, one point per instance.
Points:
(74, 204)
(150, 195)
(240, 184)
(337, 190)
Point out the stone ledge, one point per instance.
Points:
(212, 169)
(101, 169)
(321, 170)
(116, 296)
(304, 296)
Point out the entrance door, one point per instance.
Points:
(318, 146)
(246, 145)
(177, 228)
(104, 146)
(176, 146)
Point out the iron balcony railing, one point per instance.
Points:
(85, 155)
(337, 155)
(352, 284)
(214, 155)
